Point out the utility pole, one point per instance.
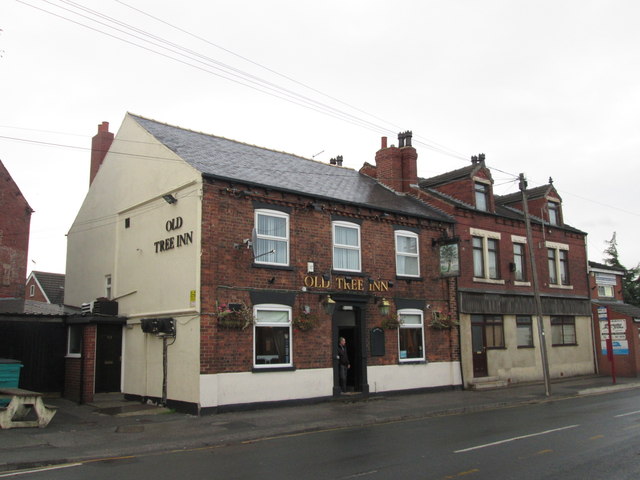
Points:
(536, 291)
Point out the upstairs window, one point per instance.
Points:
(407, 256)
(606, 285)
(272, 238)
(32, 291)
(107, 286)
(482, 196)
(485, 257)
(558, 261)
(519, 261)
(346, 246)
(554, 213)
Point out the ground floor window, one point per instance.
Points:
(411, 335)
(74, 340)
(525, 330)
(493, 329)
(272, 336)
(563, 330)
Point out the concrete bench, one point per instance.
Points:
(22, 403)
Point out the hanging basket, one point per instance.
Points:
(234, 316)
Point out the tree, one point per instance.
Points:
(631, 278)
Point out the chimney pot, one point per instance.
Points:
(384, 143)
(339, 160)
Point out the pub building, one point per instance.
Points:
(238, 268)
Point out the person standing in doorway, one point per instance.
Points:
(343, 363)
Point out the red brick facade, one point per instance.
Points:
(229, 274)
(15, 219)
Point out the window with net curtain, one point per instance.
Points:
(563, 330)
(411, 335)
(407, 255)
(485, 248)
(346, 246)
(272, 337)
(272, 237)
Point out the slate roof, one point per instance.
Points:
(226, 159)
(447, 177)
(603, 266)
(52, 284)
(500, 210)
(622, 308)
(532, 193)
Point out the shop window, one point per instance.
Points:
(411, 335)
(272, 238)
(272, 336)
(74, 341)
(407, 255)
(346, 246)
(524, 330)
(563, 330)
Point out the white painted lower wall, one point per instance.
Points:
(247, 387)
(411, 376)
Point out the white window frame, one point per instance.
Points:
(518, 240)
(79, 331)
(416, 255)
(558, 247)
(404, 326)
(606, 291)
(108, 286)
(485, 235)
(336, 246)
(264, 259)
(32, 290)
(259, 324)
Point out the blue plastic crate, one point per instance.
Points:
(9, 376)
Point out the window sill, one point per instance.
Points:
(349, 273)
(488, 280)
(272, 267)
(564, 345)
(526, 346)
(521, 284)
(412, 362)
(272, 369)
(73, 355)
(562, 287)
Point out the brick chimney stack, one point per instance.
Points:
(99, 147)
(397, 166)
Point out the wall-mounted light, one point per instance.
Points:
(384, 307)
(329, 305)
(170, 199)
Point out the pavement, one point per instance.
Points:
(112, 427)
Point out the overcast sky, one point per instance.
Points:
(544, 88)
